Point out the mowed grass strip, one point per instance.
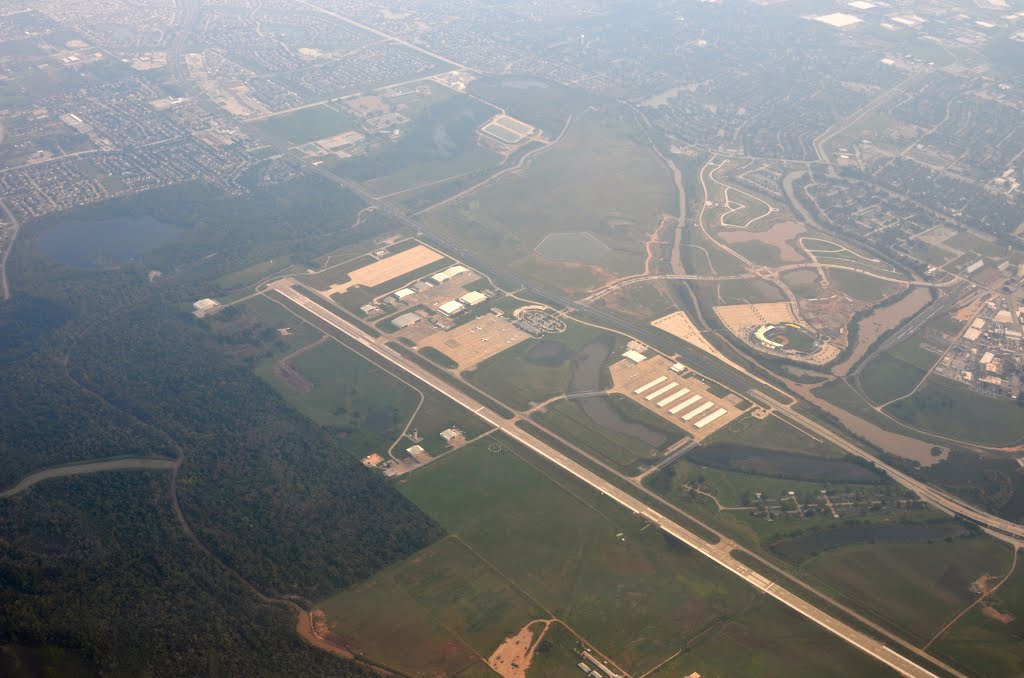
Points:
(634, 593)
(436, 613)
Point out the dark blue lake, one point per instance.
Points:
(106, 243)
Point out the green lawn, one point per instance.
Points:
(769, 639)
(985, 646)
(775, 433)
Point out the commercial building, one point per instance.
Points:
(635, 356)
(405, 320)
(451, 308)
(473, 298)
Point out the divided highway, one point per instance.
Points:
(720, 553)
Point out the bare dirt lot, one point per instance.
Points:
(512, 658)
(386, 269)
(740, 317)
(678, 324)
(778, 236)
(475, 341)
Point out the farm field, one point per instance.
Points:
(538, 369)
(612, 427)
(946, 408)
(630, 592)
(507, 219)
(915, 587)
(307, 124)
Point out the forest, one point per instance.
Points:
(173, 573)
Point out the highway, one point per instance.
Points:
(720, 553)
(1006, 530)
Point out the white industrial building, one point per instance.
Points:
(451, 308)
(473, 298)
(635, 356)
(404, 292)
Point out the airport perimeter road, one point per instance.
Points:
(1006, 530)
(721, 553)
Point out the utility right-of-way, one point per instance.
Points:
(721, 552)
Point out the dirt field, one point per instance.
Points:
(740, 317)
(881, 321)
(475, 341)
(778, 236)
(512, 658)
(678, 324)
(658, 398)
(386, 269)
(832, 312)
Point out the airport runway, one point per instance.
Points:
(721, 553)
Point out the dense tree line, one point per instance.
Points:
(97, 564)
(101, 363)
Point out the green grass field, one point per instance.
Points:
(431, 614)
(985, 646)
(631, 592)
(860, 286)
(307, 124)
(619, 447)
(749, 291)
(775, 433)
(886, 378)
(348, 392)
(507, 219)
(769, 639)
(537, 369)
(915, 587)
(946, 408)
